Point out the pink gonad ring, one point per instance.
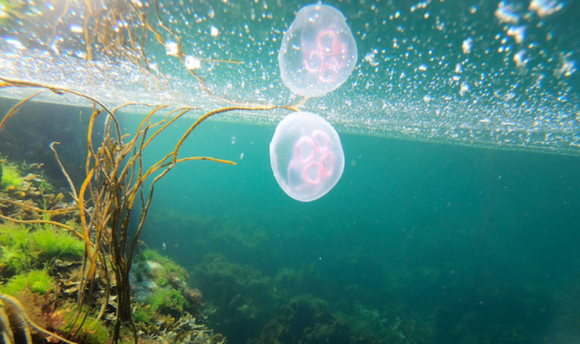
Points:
(306, 156)
(318, 51)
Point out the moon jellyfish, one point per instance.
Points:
(306, 156)
(318, 51)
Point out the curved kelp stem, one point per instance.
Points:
(115, 178)
(24, 321)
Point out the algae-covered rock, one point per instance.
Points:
(161, 284)
(167, 310)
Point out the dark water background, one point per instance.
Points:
(418, 242)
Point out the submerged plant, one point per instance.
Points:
(115, 174)
(17, 317)
(14, 248)
(151, 254)
(14, 259)
(11, 175)
(22, 248)
(115, 179)
(93, 330)
(37, 281)
(167, 300)
(52, 243)
(143, 315)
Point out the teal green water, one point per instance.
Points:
(417, 243)
(476, 244)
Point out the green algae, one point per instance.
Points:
(50, 244)
(167, 300)
(23, 247)
(93, 331)
(11, 175)
(166, 271)
(37, 281)
(142, 316)
(15, 248)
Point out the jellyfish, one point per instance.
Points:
(306, 156)
(318, 51)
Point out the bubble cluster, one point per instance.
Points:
(485, 73)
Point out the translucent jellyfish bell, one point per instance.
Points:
(318, 51)
(306, 156)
